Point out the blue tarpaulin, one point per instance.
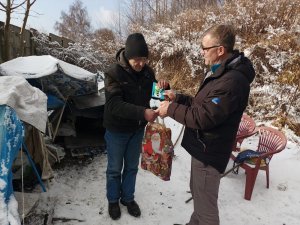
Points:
(54, 102)
(11, 137)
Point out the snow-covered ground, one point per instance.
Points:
(79, 192)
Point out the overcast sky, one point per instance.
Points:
(45, 13)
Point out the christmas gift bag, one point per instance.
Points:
(158, 150)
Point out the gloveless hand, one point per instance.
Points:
(170, 95)
(150, 115)
(163, 109)
(162, 84)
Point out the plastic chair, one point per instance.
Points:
(246, 129)
(271, 141)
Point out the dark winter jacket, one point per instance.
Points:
(128, 94)
(212, 117)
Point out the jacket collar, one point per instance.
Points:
(230, 60)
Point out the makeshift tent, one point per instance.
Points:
(30, 104)
(52, 76)
(64, 84)
(75, 101)
(18, 100)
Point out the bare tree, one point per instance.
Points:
(29, 3)
(8, 8)
(148, 12)
(75, 24)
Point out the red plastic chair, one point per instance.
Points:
(246, 129)
(271, 141)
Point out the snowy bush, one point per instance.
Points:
(268, 33)
(84, 55)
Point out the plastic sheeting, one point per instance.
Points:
(52, 76)
(11, 138)
(30, 103)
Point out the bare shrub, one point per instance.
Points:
(267, 32)
(253, 18)
(104, 40)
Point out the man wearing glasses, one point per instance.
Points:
(212, 118)
(128, 87)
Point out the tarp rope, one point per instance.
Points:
(22, 181)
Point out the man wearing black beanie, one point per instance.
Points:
(136, 46)
(128, 86)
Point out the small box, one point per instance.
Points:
(157, 93)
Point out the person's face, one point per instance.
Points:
(138, 63)
(211, 50)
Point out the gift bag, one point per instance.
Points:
(158, 150)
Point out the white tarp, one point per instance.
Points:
(32, 67)
(52, 75)
(30, 103)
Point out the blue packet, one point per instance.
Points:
(157, 93)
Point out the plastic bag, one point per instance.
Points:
(158, 150)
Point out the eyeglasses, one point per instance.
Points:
(207, 48)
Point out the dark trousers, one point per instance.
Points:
(204, 185)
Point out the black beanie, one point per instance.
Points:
(136, 46)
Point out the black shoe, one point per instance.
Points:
(114, 210)
(133, 208)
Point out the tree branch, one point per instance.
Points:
(4, 6)
(32, 3)
(12, 8)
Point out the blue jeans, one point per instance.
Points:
(123, 152)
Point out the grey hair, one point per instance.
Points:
(224, 34)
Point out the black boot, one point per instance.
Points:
(114, 210)
(133, 208)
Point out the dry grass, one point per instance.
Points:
(175, 71)
(269, 30)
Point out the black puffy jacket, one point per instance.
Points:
(127, 94)
(212, 117)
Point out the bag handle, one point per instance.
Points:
(158, 119)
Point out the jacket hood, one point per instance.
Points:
(239, 63)
(123, 62)
(121, 59)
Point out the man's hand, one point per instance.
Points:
(163, 109)
(162, 84)
(170, 95)
(150, 115)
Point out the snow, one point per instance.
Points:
(79, 192)
(9, 212)
(13, 215)
(40, 66)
